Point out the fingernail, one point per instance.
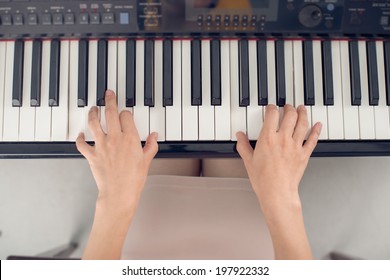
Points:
(94, 108)
(155, 135)
(109, 93)
(319, 127)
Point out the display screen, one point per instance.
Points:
(234, 4)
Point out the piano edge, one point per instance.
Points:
(204, 149)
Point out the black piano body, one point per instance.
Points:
(213, 19)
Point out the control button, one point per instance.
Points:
(253, 18)
(208, 23)
(32, 19)
(69, 18)
(209, 17)
(200, 17)
(244, 18)
(310, 16)
(244, 23)
(95, 18)
(355, 19)
(108, 18)
(218, 18)
(235, 23)
(84, 19)
(46, 19)
(226, 18)
(6, 19)
(58, 19)
(236, 18)
(18, 19)
(124, 18)
(330, 7)
(384, 20)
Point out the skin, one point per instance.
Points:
(275, 167)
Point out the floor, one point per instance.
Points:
(50, 202)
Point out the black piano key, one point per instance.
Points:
(149, 73)
(280, 74)
(17, 88)
(387, 71)
(196, 73)
(101, 72)
(356, 93)
(373, 83)
(167, 74)
(82, 94)
(35, 100)
(262, 78)
(215, 48)
(327, 73)
(54, 83)
(244, 73)
(130, 73)
(309, 73)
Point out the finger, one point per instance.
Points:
(312, 140)
(83, 147)
(112, 116)
(151, 146)
(127, 123)
(302, 125)
(289, 120)
(244, 148)
(94, 123)
(271, 120)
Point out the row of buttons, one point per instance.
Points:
(208, 20)
(58, 18)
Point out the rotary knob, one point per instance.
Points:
(310, 16)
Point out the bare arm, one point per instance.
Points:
(275, 168)
(120, 166)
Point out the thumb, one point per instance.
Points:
(151, 146)
(84, 148)
(244, 148)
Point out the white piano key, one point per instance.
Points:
(271, 72)
(319, 112)
(289, 76)
(382, 122)
(111, 78)
(121, 87)
(141, 112)
(112, 65)
(27, 113)
(11, 114)
(299, 90)
(92, 84)
(289, 71)
(43, 112)
(366, 112)
(254, 110)
(76, 114)
(335, 112)
(59, 124)
(173, 113)
(206, 111)
(222, 113)
(238, 114)
(189, 112)
(350, 113)
(3, 47)
(157, 113)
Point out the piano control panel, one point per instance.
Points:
(44, 18)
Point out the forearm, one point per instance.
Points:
(108, 232)
(286, 226)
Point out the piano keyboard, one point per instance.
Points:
(193, 89)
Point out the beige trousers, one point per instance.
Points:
(226, 168)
